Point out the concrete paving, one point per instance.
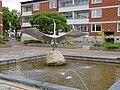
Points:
(17, 52)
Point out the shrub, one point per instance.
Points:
(2, 42)
(118, 44)
(34, 41)
(70, 43)
(112, 46)
(25, 42)
(99, 44)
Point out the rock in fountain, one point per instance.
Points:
(54, 57)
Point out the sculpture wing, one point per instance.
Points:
(71, 35)
(36, 33)
(67, 36)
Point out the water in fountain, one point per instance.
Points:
(69, 77)
(97, 76)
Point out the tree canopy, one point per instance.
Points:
(15, 19)
(11, 19)
(44, 21)
(6, 18)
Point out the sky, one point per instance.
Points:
(13, 4)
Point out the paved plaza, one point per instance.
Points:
(20, 51)
(16, 52)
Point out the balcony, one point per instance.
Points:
(74, 8)
(26, 10)
(77, 21)
(28, 13)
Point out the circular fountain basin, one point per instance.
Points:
(96, 75)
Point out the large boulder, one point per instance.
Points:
(55, 58)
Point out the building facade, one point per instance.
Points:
(76, 13)
(91, 16)
(105, 15)
(31, 7)
(0, 17)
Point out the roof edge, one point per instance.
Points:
(32, 1)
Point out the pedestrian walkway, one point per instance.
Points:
(13, 42)
(26, 51)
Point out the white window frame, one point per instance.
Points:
(95, 1)
(94, 11)
(36, 6)
(119, 11)
(95, 27)
(52, 2)
(118, 27)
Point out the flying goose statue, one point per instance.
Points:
(54, 57)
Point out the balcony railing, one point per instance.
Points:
(28, 13)
(77, 21)
(63, 4)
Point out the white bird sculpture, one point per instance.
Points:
(54, 57)
(54, 38)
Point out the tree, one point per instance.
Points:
(6, 18)
(44, 21)
(11, 19)
(15, 20)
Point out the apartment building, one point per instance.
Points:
(90, 16)
(0, 17)
(104, 15)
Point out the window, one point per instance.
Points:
(118, 11)
(67, 15)
(53, 4)
(96, 27)
(118, 28)
(36, 6)
(81, 14)
(64, 3)
(96, 13)
(69, 2)
(83, 28)
(26, 9)
(25, 19)
(96, 1)
(77, 2)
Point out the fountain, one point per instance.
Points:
(95, 74)
(54, 57)
(63, 73)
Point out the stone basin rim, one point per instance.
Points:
(72, 57)
(35, 83)
(31, 83)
